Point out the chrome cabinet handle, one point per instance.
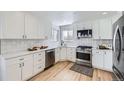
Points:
(23, 64)
(39, 67)
(20, 65)
(23, 37)
(21, 59)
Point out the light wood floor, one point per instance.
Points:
(61, 72)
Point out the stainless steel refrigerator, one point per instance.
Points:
(118, 48)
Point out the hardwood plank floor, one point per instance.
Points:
(61, 72)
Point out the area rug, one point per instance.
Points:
(82, 69)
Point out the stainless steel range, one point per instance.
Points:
(84, 55)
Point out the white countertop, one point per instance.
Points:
(22, 53)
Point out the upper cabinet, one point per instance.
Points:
(102, 28)
(31, 27)
(105, 28)
(22, 25)
(12, 25)
(95, 29)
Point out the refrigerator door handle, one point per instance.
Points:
(116, 30)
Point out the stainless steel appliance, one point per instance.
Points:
(83, 55)
(50, 58)
(86, 33)
(118, 48)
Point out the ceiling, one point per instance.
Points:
(69, 17)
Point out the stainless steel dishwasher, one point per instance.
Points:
(50, 58)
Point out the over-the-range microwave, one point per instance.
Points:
(86, 33)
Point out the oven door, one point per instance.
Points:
(83, 56)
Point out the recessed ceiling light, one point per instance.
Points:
(104, 13)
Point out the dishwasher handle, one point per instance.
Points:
(50, 51)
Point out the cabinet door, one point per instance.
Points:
(108, 60)
(12, 25)
(31, 27)
(71, 54)
(97, 59)
(13, 70)
(63, 54)
(27, 67)
(57, 54)
(95, 27)
(106, 28)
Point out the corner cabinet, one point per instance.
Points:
(20, 68)
(102, 59)
(63, 54)
(67, 53)
(12, 25)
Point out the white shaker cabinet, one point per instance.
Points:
(97, 59)
(12, 25)
(71, 54)
(57, 55)
(13, 70)
(105, 28)
(27, 67)
(63, 54)
(102, 59)
(39, 62)
(108, 60)
(20, 68)
(31, 27)
(95, 29)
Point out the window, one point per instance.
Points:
(67, 33)
(55, 34)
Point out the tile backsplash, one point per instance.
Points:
(8, 46)
(89, 42)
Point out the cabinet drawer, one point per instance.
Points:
(39, 58)
(38, 68)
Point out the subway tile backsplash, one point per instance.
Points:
(9, 46)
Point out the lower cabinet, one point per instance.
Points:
(20, 68)
(71, 54)
(39, 62)
(102, 59)
(13, 70)
(57, 55)
(62, 53)
(27, 67)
